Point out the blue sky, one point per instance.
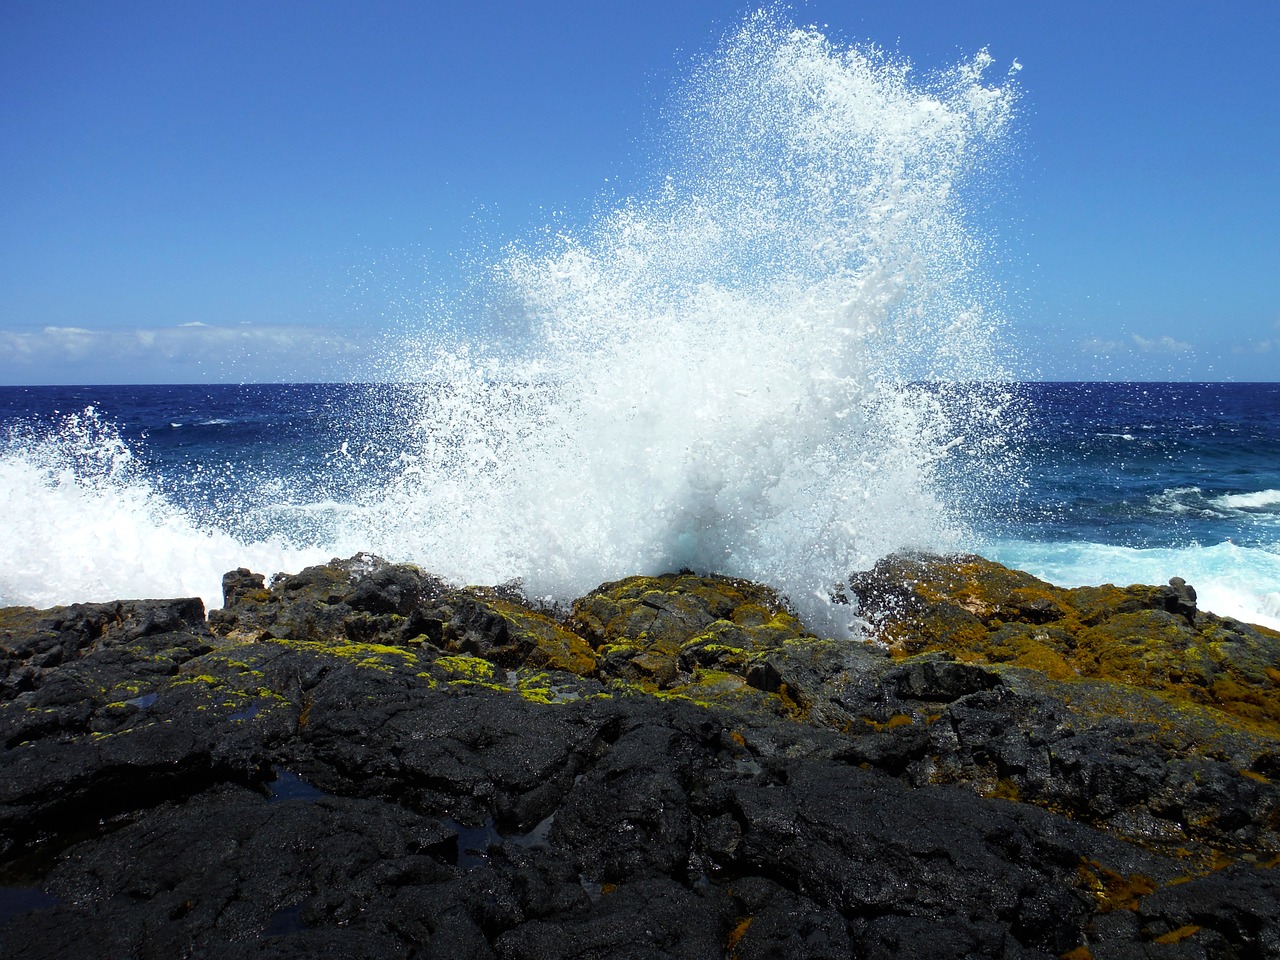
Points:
(255, 191)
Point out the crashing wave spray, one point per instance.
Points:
(740, 373)
(83, 521)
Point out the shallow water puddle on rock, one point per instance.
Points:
(285, 921)
(474, 843)
(289, 786)
(538, 836)
(15, 901)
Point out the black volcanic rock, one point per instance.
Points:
(361, 761)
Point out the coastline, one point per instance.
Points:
(675, 768)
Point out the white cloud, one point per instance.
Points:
(1261, 345)
(72, 342)
(1258, 346)
(1162, 345)
(191, 351)
(1135, 343)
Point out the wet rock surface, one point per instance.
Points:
(362, 761)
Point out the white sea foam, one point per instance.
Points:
(82, 522)
(1261, 505)
(1182, 500)
(1262, 500)
(1230, 580)
(714, 375)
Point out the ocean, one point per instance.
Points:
(128, 491)
(784, 356)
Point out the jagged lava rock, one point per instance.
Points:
(360, 760)
(1145, 636)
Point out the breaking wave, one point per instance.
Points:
(779, 361)
(84, 522)
(750, 370)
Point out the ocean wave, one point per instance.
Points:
(1184, 500)
(1266, 501)
(1261, 505)
(83, 522)
(733, 359)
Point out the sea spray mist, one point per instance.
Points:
(777, 360)
(743, 370)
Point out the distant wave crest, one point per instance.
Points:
(1267, 501)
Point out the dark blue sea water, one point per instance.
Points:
(157, 490)
(1147, 465)
(1139, 482)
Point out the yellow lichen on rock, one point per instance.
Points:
(1142, 636)
(550, 645)
(466, 668)
(1112, 890)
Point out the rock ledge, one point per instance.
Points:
(360, 760)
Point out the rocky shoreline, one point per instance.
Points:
(362, 761)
